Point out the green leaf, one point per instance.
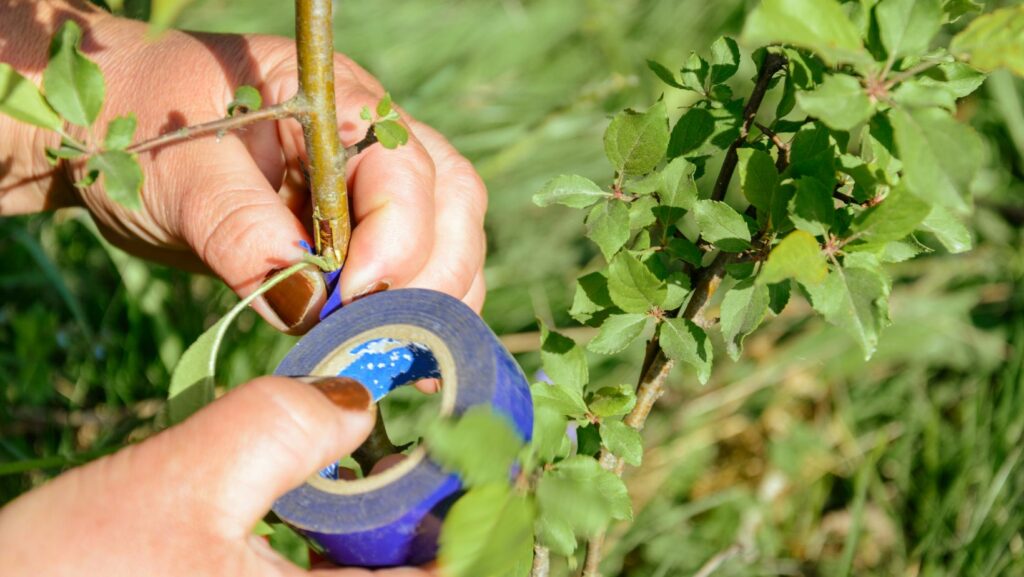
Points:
(819, 25)
(725, 59)
(743, 309)
(691, 132)
(556, 534)
(192, 380)
(562, 398)
(591, 297)
(121, 177)
(563, 360)
(758, 177)
(642, 212)
(695, 73)
(993, 41)
(907, 26)
(721, 225)
(799, 257)
(66, 150)
(549, 441)
(948, 230)
(262, 528)
(635, 142)
(954, 9)
(940, 155)
(812, 153)
(579, 494)
(588, 440)
(617, 332)
(632, 286)
(675, 187)
(840, 102)
(778, 294)
(289, 544)
(247, 99)
(854, 298)
(384, 106)
(365, 114)
(73, 83)
(666, 75)
(894, 218)
(685, 342)
(486, 532)
(623, 441)
(570, 190)
(811, 209)
(481, 446)
(685, 249)
(678, 285)
(21, 100)
(390, 134)
(164, 13)
(613, 401)
(608, 227)
(120, 132)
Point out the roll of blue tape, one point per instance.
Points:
(384, 341)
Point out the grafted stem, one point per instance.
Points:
(314, 36)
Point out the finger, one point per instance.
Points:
(477, 291)
(428, 386)
(259, 441)
(461, 201)
(243, 231)
(399, 572)
(393, 208)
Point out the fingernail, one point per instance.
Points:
(345, 393)
(297, 299)
(379, 286)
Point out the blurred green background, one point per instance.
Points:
(799, 460)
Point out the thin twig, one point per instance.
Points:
(369, 140)
(783, 162)
(656, 368)
(656, 365)
(287, 109)
(911, 72)
(541, 562)
(772, 63)
(714, 563)
(314, 36)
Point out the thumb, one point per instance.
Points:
(262, 439)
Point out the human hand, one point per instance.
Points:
(185, 501)
(236, 205)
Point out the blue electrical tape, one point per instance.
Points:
(384, 341)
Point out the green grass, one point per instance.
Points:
(800, 459)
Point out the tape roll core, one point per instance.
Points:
(386, 340)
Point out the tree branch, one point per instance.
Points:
(369, 140)
(656, 365)
(772, 63)
(314, 35)
(287, 109)
(541, 562)
(783, 161)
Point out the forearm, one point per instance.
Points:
(28, 183)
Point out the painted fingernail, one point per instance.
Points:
(345, 393)
(379, 286)
(297, 299)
